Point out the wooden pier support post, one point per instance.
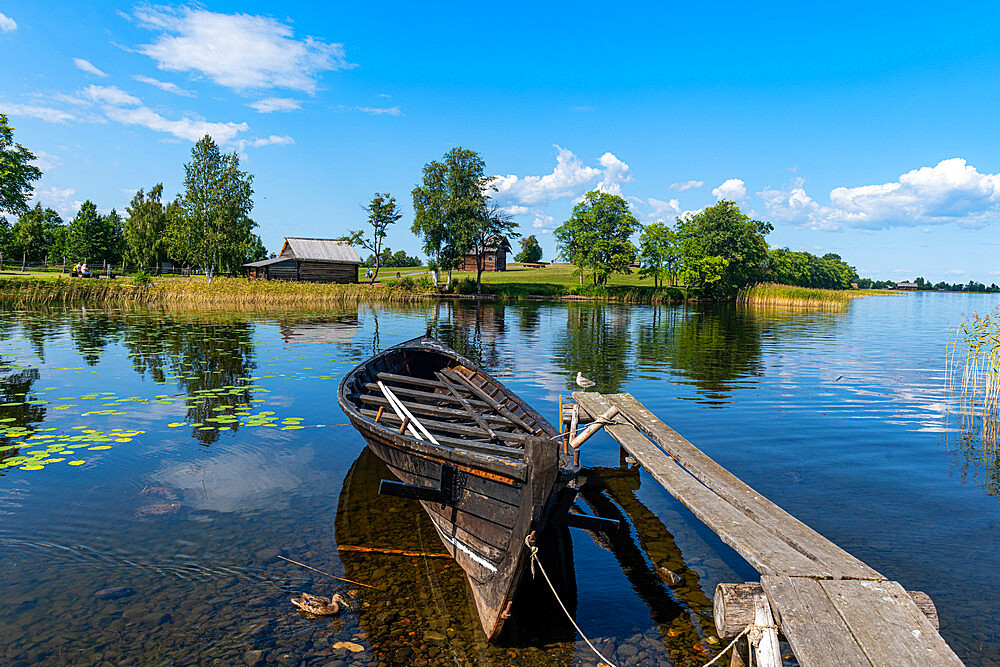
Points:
(768, 653)
(574, 421)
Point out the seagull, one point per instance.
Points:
(584, 382)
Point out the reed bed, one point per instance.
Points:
(773, 294)
(973, 376)
(222, 291)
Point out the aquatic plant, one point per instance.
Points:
(772, 294)
(973, 375)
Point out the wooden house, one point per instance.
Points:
(495, 258)
(908, 286)
(317, 260)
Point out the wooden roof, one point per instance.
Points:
(319, 250)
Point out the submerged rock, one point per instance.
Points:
(115, 593)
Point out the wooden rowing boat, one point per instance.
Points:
(487, 468)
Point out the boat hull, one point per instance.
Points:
(494, 502)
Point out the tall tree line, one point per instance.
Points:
(207, 226)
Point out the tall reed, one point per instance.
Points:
(972, 361)
(773, 294)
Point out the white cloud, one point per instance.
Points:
(733, 189)
(87, 67)
(191, 129)
(112, 95)
(516, 209)
(616, 172)
(238, 51)
(164, 85)
(46, 161)
(61, 199)
(544, 223)
(663, 209)
(7, 24)
(570, 178)
(380, 111)
(271, 104)
(686, 185)
(44, 113)
(950, 192)
(273, 140)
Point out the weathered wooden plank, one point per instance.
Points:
(465, 404)
(753, 542)
(887, 625)
(493, 403)
(811, 624)
(423, 408)
(424, 395)
(733, 607)
(784, 526)
(462, 429)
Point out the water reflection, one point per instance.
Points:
(712, 346)
(475, 329)
(597, 341)
(424, 610)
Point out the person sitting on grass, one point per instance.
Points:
(84, 271)
(76, 271)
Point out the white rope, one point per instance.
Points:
(534, 559)
(755, 634)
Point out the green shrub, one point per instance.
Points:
(141, 278)
(463, 286)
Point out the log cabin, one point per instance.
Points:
(316, 260)
(495, 258)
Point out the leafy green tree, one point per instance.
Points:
(596, 236)
(493, 228)
(531, 251)
(17, 174)
(86, 233)
(724, 232)
(658, 253)
(449, 206)
(382, 212)
(145, 228)
(32, 235)
(215, 222)
(113, 228)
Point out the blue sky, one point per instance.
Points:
(866, 131)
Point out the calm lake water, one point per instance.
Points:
(157, 463)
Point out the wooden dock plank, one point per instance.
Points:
(811, 624)
(888, 625)
(782, 524)
(753, 542)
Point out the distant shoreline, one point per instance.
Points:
(243, 293)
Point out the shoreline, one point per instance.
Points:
(33, 290)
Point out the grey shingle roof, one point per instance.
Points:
(268, 262)
(322, 250)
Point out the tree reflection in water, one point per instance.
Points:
(713, 346)
(598, 343)
(474, 329)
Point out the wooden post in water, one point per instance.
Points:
(573, 423)
(768, 653)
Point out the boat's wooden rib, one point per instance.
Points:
(465, 404)
(426, 409)
(425, 395)
(503, 464)
(471, 430)
(504, 412)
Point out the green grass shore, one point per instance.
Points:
(556, 281)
